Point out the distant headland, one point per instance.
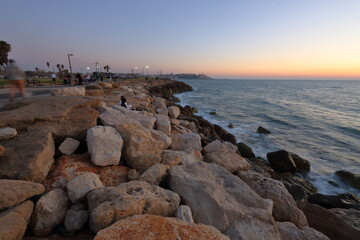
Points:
(188, 76)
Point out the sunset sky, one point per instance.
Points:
(221, 38)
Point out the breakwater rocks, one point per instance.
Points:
(78, 165)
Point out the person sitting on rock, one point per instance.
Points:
(123, 102)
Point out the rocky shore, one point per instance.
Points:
(77, 165)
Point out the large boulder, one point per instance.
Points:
(111, 204)
(350, 178)
(69, 146)
(245, 150)
(105, 145)
(81, 185)
(186, 141)
(144, 118)
(14, 192)
(300, 163)
(281, 161)
(14, 221)
(349, 216)
(159, 102)
(216, 146)
(49, 211)
(155, 174)
(344, 200)
(220, 199)
(290, 232)
(285, 209)
(163, 124)
(329, 224)
(173, 111)
(69, 91)
(162, 137)
(152, 227)
(172, 157)
(68, 167)
(7, 133)
(28, 156)
(231, 161)
(141, 149)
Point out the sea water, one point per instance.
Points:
(318, 120)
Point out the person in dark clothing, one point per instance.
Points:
(123, 101)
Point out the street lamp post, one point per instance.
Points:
(147, 71)
(70, 54)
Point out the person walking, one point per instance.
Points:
(53, 77)
(16, 78)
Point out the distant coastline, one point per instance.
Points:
(188, 76)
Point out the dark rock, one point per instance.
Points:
(300, 162)
(245, 150)
(231, 125)
(262, 130)
(212, 113)
(224, 135)
(298, 187)
(350, 178)
(281, 161)
(229, 138)
(261, 166)
(350, 216)
(329, 224)
(345, 200)
(187, 111)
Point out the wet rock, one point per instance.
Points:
(300, 162)
(14, 221)
(231, 161)
(150, 227)
(69, 146)
(7, 133)
(174, 111)
(350, 178)
(38, 147)
(49, 211)
(323, 220)
(245, 150)
(69, 91)
(223, 201)
(231, 125)
(184, 213)
(105, 145)
(81, 185)
(290, 232)
(281, 161)
(262, 130)
(155, 174)
(213, 113)
(285, 209)
(186, 141)
(76, 217)
(111, 204)
(14, 192)
(344, 200)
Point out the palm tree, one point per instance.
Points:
(107, 67)
(48, 65)
(5, 48)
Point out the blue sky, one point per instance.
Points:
(253, 38)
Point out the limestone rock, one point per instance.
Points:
(69, 91)
(231, 147)
(133, 175)
(262, 130)
(28, 156)
(162, 137)
(174, 111)
(14, 192)
(105, 145)
(105, 85)
(163, 124)
(75, 219)
(79, 186)
(94, 92)
(144, 118)
(69, 146)
(349, 216)
(155, 174)
(290, 232)
(162, 111)
(14, 221)
(152, 227)
(329, 224)
(245, 150)
(184, 213)
(172, 157)
(111, 204)
(281, 161)
(220, 199)
(231, 161)
(285, 209)
(159, 103)
(68, 167)
(186, 141)
(141, 149)
(2, 150)
(216, 146)
(49, 211)
(7, 133)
